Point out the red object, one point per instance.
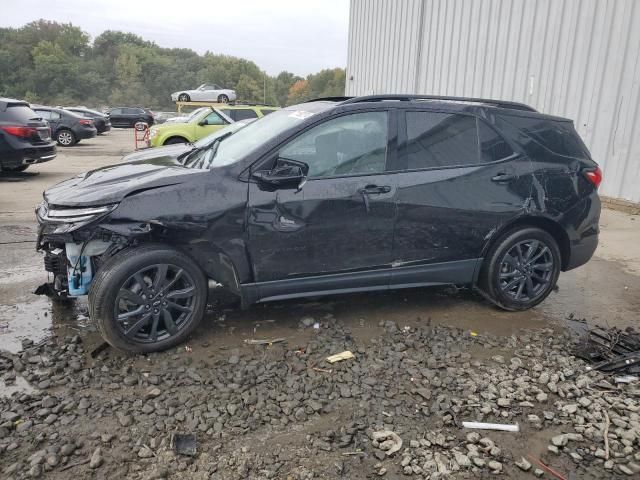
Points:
(550, 470)
(141, 135)
(86, 122)
(19, 131)
(594, 176)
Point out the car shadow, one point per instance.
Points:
(17, 176)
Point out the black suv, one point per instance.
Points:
(67, 128)
(331, 196)
(25, 138)
(129, 116)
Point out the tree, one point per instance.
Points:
(56, 63)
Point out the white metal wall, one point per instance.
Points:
(574, 58)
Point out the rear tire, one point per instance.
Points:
(521, 269)
(223, 99)
(65, 138)
(148, 299)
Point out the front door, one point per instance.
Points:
(458, 181)
(339, 224)
(208, 124)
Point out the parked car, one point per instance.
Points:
(129, 116)
(67, 128)
(25, 138)
(205, 93)
(327, 197)
(177, 150)
(201, 123)
(162, 117)
(100, 120)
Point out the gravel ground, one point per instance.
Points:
(282, 411)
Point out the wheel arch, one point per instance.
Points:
(170, 137)
(550, 226)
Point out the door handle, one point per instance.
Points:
(375, 189)
(503, 177)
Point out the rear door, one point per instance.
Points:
(336, 231)
(52, 117)
(458, 180)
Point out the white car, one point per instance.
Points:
(207, 92)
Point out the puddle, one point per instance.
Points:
(20, 385)
(36, 319)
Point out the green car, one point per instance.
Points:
(202, 122)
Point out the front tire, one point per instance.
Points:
(183, 97)
(521, 269)
(175, 140)
(19, 168)
(66, 138)
(148, 299)
(223, 99)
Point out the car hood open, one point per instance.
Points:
(113, 183)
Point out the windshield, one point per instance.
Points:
(263, 130)
(209, 139)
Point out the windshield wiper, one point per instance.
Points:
(185, 155)
(214, 147)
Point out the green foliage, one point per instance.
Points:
(56, 64)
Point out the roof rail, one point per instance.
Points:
(329, 99)
(406, 98)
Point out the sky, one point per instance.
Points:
(302, 36)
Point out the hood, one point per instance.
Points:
(113, 183)
(173, 151)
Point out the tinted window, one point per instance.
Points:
(243, 114)
(439, 140)
(345, 145)
(492, 146)
(19, 113)
(266, 111)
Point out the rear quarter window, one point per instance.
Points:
(243, 114)
(19, 113)
(560, 137)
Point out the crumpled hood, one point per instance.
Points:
(113, 183)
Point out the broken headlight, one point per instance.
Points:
(57, 214)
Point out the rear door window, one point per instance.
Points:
(492, 146)
(436, 140)
(46, 114)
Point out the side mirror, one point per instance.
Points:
(284, 175)
(202, 123)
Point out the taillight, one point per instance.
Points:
(19, 131)
(86, 122)
(594, 176)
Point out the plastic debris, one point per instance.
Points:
(184, 444)
(346, 355)
(492, 426)
(316, 326)
(626, 379)
(251, 341)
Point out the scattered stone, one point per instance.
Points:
(523, 464)
(96, 458)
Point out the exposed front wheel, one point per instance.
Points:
(183, 97)
(65, 138)
(148, 299)
(521, 269)
(174, 140)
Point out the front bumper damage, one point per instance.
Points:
(73, 244)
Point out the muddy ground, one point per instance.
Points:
(425, 360)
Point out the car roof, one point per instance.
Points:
(244, 107)
(7, 102)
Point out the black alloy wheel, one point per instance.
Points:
(155, 303)
(526, 270)
(521, 268)
(148, 298)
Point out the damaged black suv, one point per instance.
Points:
(331, 196)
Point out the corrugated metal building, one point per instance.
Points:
(574, 58)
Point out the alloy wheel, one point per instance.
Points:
(65, 138)
(526, 270)
(183, 98)
(155, 303)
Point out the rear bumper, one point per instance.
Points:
(582, 251)
(28, 156)
(85, 133)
